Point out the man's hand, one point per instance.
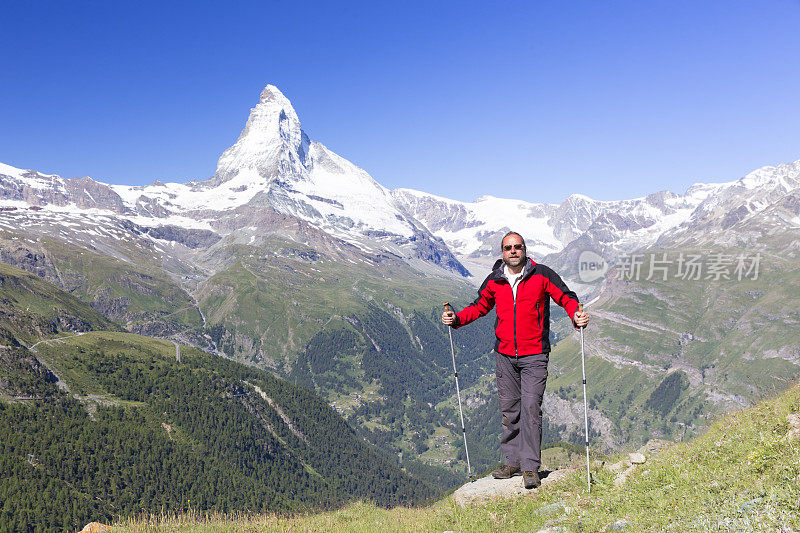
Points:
(448, 318)
(581, 319)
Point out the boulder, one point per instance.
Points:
(794, 426)
(488, 489)
(619, 525)
(619, 466)
(654, 446)
(637, 458)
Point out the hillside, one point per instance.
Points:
(99, 424)
(742, 474)
(105, 266)
(667, 354)
(142, 430)
(31, 308)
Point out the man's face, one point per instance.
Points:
(513, 251)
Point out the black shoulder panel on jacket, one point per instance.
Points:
(556, 280)
(495, 274)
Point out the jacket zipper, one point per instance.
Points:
(514, 295)
(516, 352)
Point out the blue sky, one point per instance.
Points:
(530, 100)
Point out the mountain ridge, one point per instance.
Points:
(611, 228)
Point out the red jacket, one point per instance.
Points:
(523, 325)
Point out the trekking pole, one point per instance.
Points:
(448, 307)
(585, 408)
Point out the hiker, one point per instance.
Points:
(520, 289)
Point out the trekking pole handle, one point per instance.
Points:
(580, 310)
(448, 308)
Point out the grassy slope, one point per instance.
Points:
(742, 474)
(31, 307)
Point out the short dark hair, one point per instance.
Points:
(512, 233)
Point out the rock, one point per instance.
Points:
(554, 529)
(487, 488)
(794, 426)
(623, 476)
(748, 506)
(619, 525)
(557, 507)
(95, 527)
(619, 466)
(191, 238)
(655, 446)
(637, 458)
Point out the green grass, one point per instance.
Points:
(31, 309)
(741, 475)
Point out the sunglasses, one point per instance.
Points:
(507, 247)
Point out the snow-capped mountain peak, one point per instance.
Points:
(272, 168)
(271, 142)
(783, 176)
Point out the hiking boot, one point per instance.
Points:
(530, 479)
(505, 472)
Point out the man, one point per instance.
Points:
(520, 289)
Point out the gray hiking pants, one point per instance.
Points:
(520, 386)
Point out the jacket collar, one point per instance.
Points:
(498, 272)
